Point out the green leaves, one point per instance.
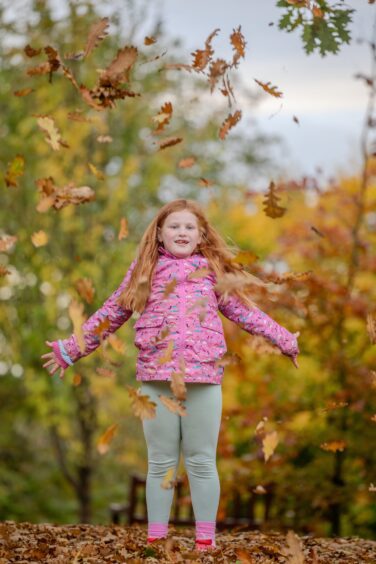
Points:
(325, 27)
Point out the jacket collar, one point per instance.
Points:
(167, 253)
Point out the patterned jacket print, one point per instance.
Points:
(188, 317)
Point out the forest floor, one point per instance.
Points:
(97, 544)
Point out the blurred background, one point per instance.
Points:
(315, 142)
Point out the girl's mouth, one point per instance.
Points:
(180, 242)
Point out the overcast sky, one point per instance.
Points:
(322, 92)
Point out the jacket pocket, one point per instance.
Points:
(209, 344)
(147, 329)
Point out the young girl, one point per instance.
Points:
(171, 283)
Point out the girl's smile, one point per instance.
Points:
(180, 233)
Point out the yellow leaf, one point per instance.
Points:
(142, 406)
(16, 168)
(123, 232)
(173, 405)
(76, 313)
(39, 238)
(168, 481)
(99, 174)
(105, 439)
(269, 444)
(167, 355)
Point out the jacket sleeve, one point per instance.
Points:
(67, 351)
(256, 322)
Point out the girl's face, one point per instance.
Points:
(180, 233)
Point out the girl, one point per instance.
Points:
(172, 284)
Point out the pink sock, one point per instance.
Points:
(205, 530)
(157, 530)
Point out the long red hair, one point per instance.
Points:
(220, 258)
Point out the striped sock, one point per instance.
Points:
(205, 530)
(157, 530)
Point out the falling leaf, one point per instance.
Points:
(169, 142)
(103, 326)
(168, 481)
(104, 139)
(104, 440)
(31, 52)
(295, 119)
(23, 92)
(269, 444)
(39, 238)
(52, 196)
(178, 386)
(205, 182)
(288, 276)
(372, 488)
(123, 231)
(201, 57)
(167, 355)
(272, 90)
(169, 287)
(77, 379)
(229, 123)
(4, 271)
(53, 136)
(198, 273)
(371, 327)
(99, 174)
(162, 118)
(97, 33)
(105, 372)
(78, 116)
(142, 406)
(333, 446)
(173, 405)
(76, 314)
(238, 43)
(187, 162)
(120, 67)
(259, 489)
(7, 242)
(228, 359)
(116, 343)
(84, 287)
(149, 40)
(317, 12)
(216, 71)
(270, 203)
(16, 168)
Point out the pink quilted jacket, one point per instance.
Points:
(188, 317)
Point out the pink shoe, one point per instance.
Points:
(205, 544)
(153, 539)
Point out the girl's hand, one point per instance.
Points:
(293, 358)
(52, 365)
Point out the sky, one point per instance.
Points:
(320, 91)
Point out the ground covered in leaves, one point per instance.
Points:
(74, 544)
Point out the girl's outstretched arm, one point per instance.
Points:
(67, 351)
(256, 322)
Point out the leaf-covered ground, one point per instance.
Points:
(73, 544)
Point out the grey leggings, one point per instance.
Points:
(197, 432)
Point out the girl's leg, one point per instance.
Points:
(200, 430)
(162, 435)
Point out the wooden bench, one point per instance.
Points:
(241, 509)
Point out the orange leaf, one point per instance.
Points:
(163, 117)
(142, 406)
(23, 92)
(173, 405)
(270, 203)
(105, 439)
(123, 232)
(187, 162)
(97, 33)
(16, 168)
(229, 123)
(333, 446)
(149, 40)
(272, 90)
(238, 43)
(169, 142)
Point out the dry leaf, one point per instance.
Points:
(120, 67)
(205, 182)
(104, 441)
(187, 162)
(269, 444)
(229, 123)
(78, 116)
(39, 238)
(270, 203)
(116, 343)
(76, 313)
(294, 552)
(201, 57)
(52, 196)
(238, 43)
(123, 231)
(97, 33)
(106, 372)
(173, 405)
(169, 142)
(371, 327)
(16, 168)
(23, 92)
(149, 40)
(104, 139)
(53, 136)
(31, 52)
(84, 287)
(167, 354)
(169, 288)
(168, 481)
(272, 90)
(7, 242)
(142, 406)
(199, 273)
(178, 386)
(162, 118)
(333, 446)
(77, 379)
(99, 174)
